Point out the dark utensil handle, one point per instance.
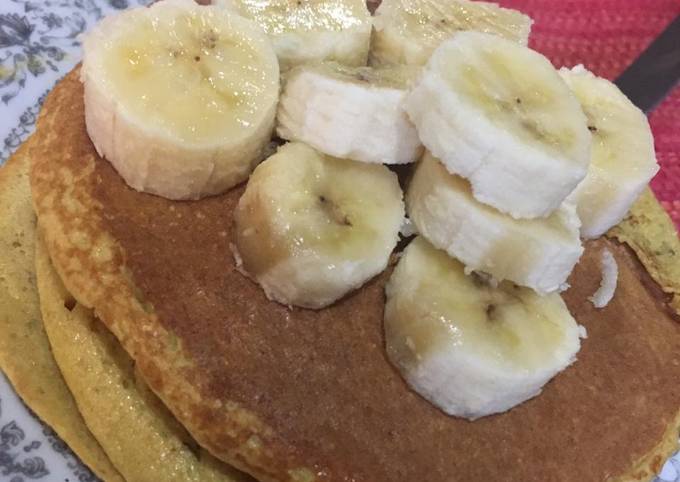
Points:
(654, 73)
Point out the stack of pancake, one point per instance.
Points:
(126, 326)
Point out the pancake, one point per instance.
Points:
(144, 441)
(649, 232)
(135, 429)
(300, 395)
(36, 378)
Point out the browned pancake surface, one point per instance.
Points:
(315, 386)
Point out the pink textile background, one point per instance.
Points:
(606, 36)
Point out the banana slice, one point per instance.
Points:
(180, 98)
(305, 31)
(310, 228)
(350, 112)
(623, 159)
(470, 348)
(538, 253)
(408, 31)
(499, 115)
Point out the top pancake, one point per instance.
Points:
(300, 394)
(141, 438)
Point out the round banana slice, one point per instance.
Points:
(623, 159)
(180, 98)
(408, 31)
(311, 228)
(470, 348)
(350, 112)
(305, 31)
(537, 253)
(499, 115)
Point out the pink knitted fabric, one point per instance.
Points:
(606, 36)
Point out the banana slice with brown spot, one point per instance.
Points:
(311, 228)
(180, 98)
(408, 31)
(469, 347)
(304, 31)
(623, 160)
(498, 114)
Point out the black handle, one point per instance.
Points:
(654, 73)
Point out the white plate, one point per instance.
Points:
(38, 45)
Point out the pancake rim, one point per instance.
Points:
(53, 403)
